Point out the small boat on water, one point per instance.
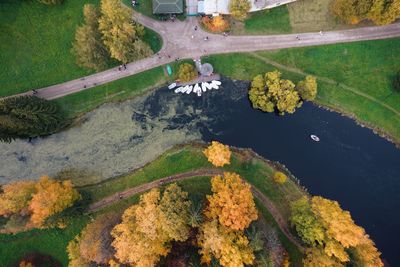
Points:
(314, 138)
(172, 86)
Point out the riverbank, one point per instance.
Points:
(255, 170)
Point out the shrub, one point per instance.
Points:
(186, 72)
(280, 177)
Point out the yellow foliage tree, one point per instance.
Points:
(338, 223)
(280, 177)
(315, 257)
(187, 72)
(230, 248)
(121, 37)
(51, 197)
(366, 254)
(218, 154)
(74, 255)
(146, 230)
(232, 202)
(15, 197)
(215, 24)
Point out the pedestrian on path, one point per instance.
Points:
(298, 38)
(320, 33)
(120, 68)
(124, 66)
(195, 28)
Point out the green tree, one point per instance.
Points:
(239, 8)
(270, 91)
(307, 225)
(174, 213)
(28, 116)
(187, 72)
(308, 88)
(121, 36)
(88, 47)
(384, 11)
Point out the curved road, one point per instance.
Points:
(266, 202)
(180, 40)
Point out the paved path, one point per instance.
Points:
(180, 40)
(266, 202)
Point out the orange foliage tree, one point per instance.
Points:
(15, 198)
(218, 154)
(232, 202)
(215, 24)
(148, 228)
(51, 197)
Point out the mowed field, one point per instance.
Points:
(36, 42)
(354, 78)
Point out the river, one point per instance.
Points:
(350, 164)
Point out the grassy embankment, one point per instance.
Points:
(36, 41)
(254, 170)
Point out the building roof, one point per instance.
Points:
(167, 6)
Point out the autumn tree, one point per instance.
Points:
(88, 47)
(280, 177)
(308, 88)
(148, 228)
(338, 223)
(51, 197)
(15, 198)
(215, 24)
(239, 8)
(384, 12)
(366, 254)
(95, 239)
(307, 225)
(187, 72)
(270, 91)
(315, 257)
(121, 36)
(381, 12)
(230, 248)
(218, 154)
(74, 254)
(232, 202)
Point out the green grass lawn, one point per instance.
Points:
(51, 242)
(36, 41)
(268, 21)
(344, 70)
(254, 170)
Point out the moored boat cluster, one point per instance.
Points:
(197, 88)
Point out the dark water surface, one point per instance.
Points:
(350, 164)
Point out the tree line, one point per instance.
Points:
(108, 33)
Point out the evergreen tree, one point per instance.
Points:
(28, 116)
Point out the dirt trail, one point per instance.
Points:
(266, 202)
